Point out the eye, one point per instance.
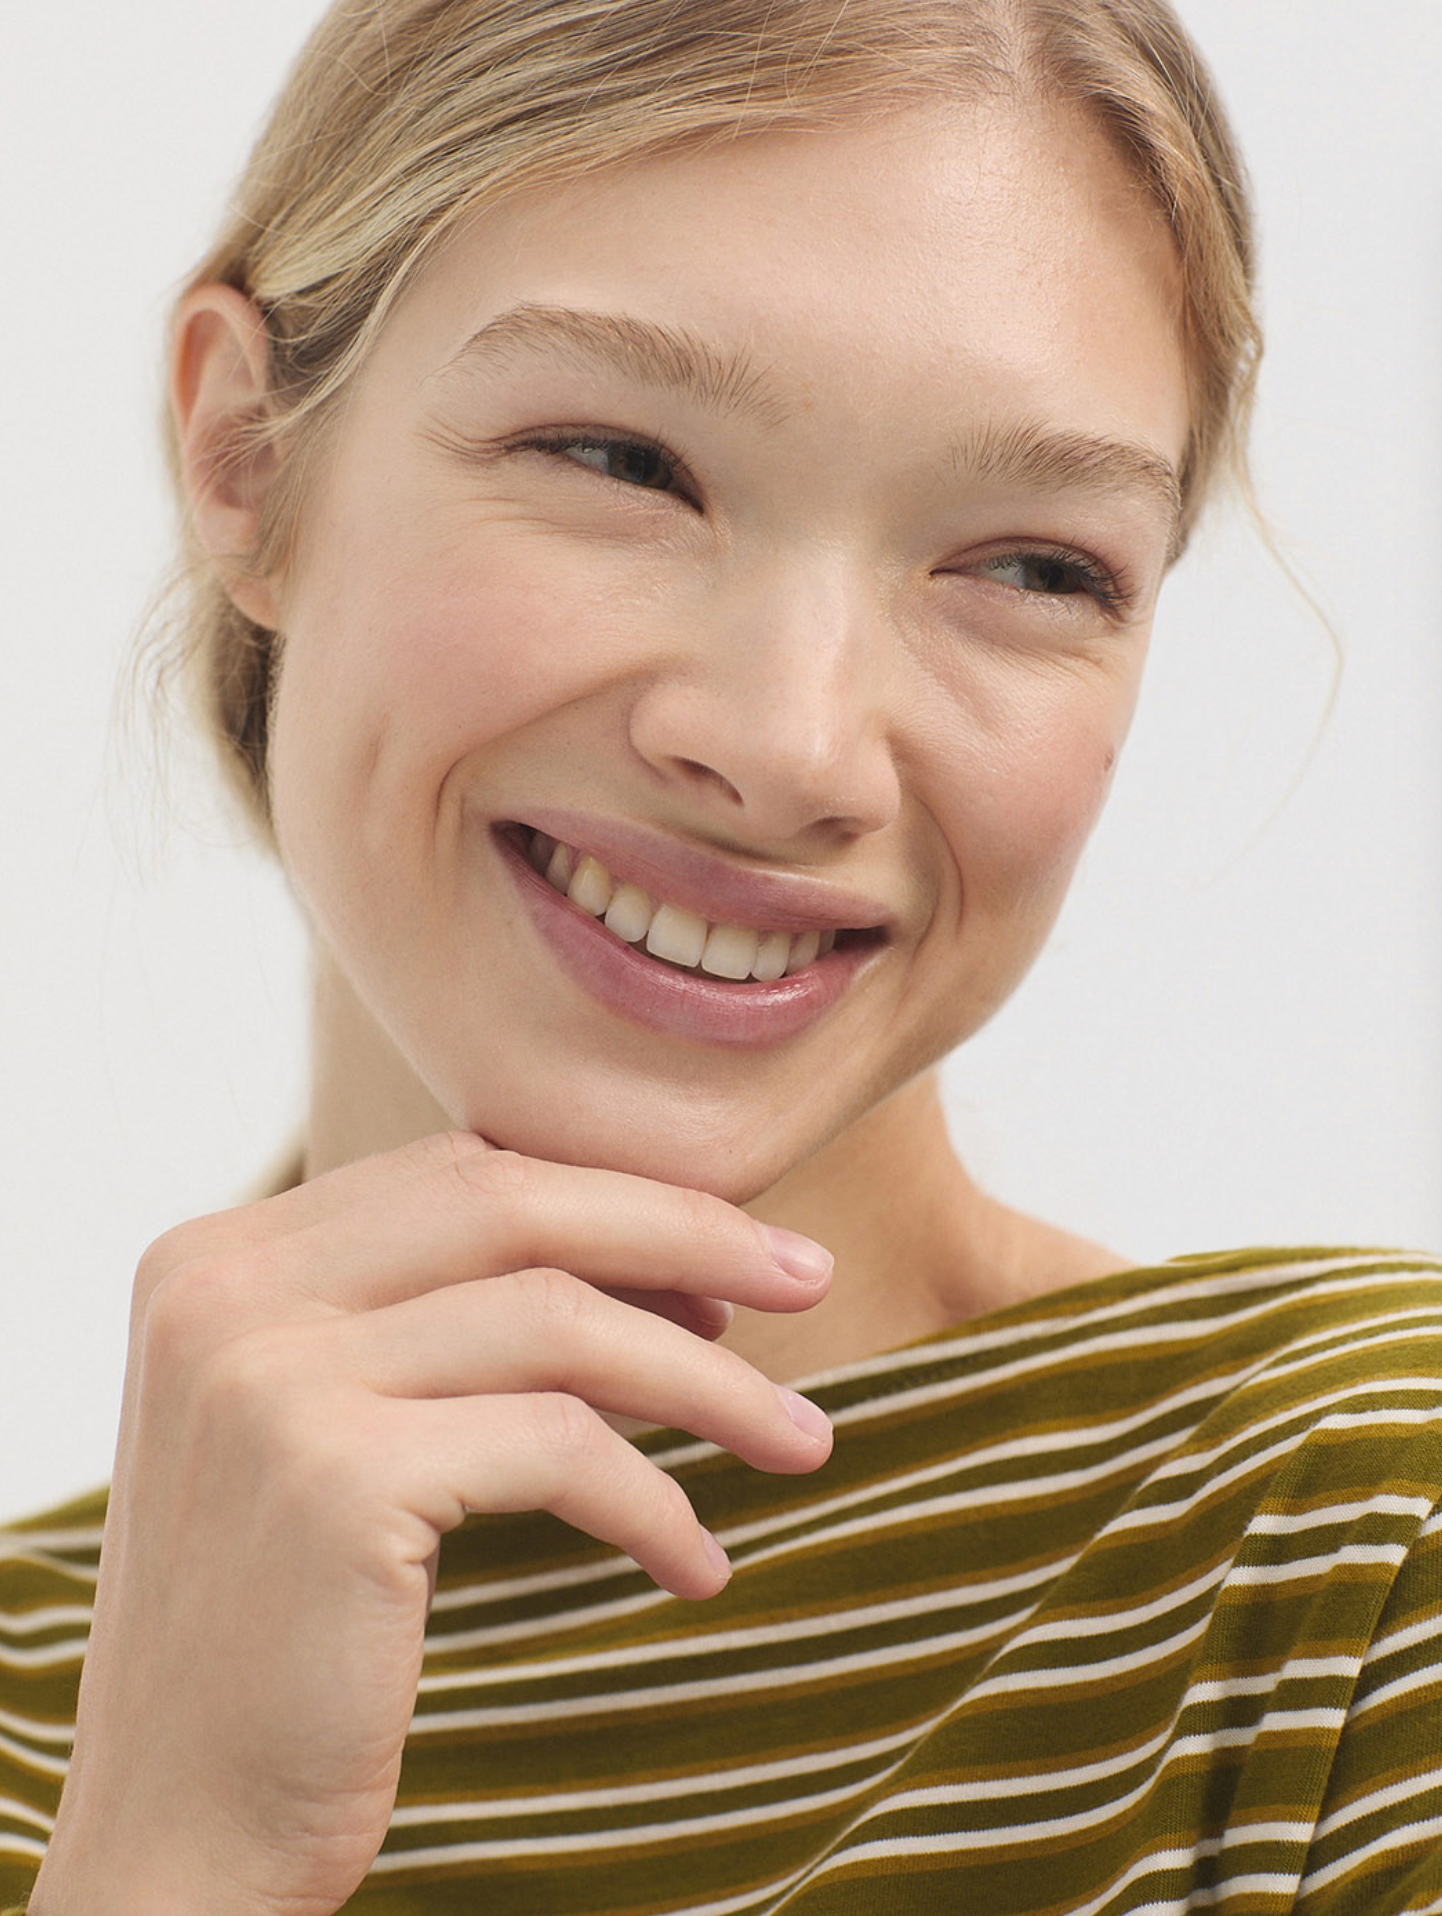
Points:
(635, 462)
(1054, 575)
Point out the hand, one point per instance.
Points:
(319, 1387)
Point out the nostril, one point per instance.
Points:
(708, 775)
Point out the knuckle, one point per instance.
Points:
(445, 1152)
(185, 1306)
(568, 1428)
(708, 1220)
(560, 1300)
(500, 1176)
(172, 1251)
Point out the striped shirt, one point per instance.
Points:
(1125, 1599)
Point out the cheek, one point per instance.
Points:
(1036, 775)
(391, 675)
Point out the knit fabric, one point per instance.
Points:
(1125, 1599)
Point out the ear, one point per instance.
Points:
(219, 380)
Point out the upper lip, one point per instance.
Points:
(704, 883)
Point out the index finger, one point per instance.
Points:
(453, 1209)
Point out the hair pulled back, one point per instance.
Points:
(401, 117)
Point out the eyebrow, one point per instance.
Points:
(668, 357)
(1036, 456)
(677, 360)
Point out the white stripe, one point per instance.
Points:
(505, 1590)
(627, 1795)
(45, 1656)
(1278, 1523)
(30, 1759)
(728, 1642)
(1425, 1679)
(23, 1623)
(1196, 1462)
(1303, 1567)
(938, 1795)
(765, 1635)
(1303, 1410)
(1401, 1838)
(795, 1518)
(750, 1816)
(1138, 1660)
(1379, 1799)
(645, 1835)
(1076, 1352)
(971, 1790)
(24, 1543)
(1163, 1516)
(609, 1702)
(1154, 1863)
(1019, 1682)
(26, 1846)
(1296, 1669)
(33, 1730)
(952, 1841)
(1066, 1629)
(1285, 1278)
(26, 1813)
(1404, 1639)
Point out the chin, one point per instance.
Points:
(719, 1153)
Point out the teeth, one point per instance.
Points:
(541, 850)
(772, 952)
(676, 935)
(670, 933)
(730, 952)
(590, 887)
(629, 914)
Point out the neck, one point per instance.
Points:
(918, 1246)
(364, 1097)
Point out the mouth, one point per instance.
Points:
(671, 934)
(684, 942)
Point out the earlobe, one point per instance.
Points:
(219, 380)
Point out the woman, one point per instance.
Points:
(678, 503)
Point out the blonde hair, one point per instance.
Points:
(402, 116)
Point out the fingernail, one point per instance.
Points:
(804, 1414)
(800, 1257)
(716, 1556)
(717, 1317)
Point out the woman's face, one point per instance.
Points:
(779, 528)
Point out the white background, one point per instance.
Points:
(1237, 1034)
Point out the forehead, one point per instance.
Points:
(996, 252)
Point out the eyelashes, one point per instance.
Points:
(642, 463)
(1035, 571)
(1057, 573)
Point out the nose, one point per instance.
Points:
(774, 716)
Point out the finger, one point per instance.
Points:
(332, 1194)
(547, 1331)
(708, 1317)
(269, 1222)
(481, 1213)
(500, 1455)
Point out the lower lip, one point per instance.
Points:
(677, 1004)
